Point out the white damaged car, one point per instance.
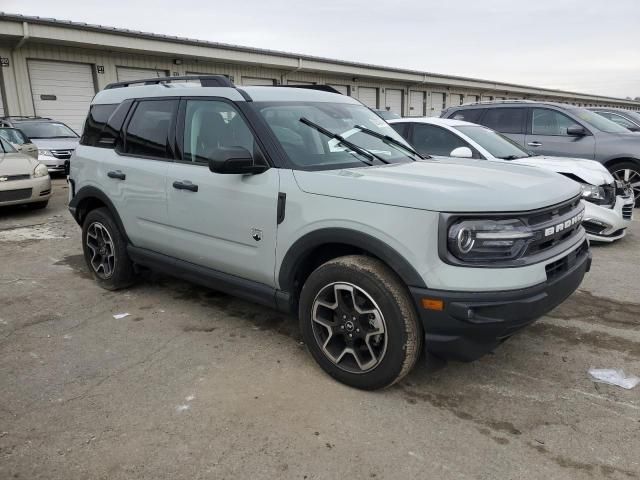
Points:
(608, 203)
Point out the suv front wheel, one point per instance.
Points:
(105, 251)
(359, 323)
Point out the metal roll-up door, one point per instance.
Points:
(416, 104)
(436, 104)
(257, 81)
(471, 99)
(455, 99)
(368, 96)
(393, 100)
(127, 74)
(62, 91)
(343, 89)
(1, 105)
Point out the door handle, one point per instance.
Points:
(117, 175)
(534, 144)
(185, 185)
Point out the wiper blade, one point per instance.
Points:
(390, 141)
(344, 141)
(510, 157)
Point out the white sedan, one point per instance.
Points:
(608, 203)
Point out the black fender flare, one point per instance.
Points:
(307, 243)
(89, 192)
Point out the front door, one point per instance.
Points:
(226, 222)
(548, 135)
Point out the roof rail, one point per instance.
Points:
(321, 88)
(205, 81)
(26, 117)
(506, 100)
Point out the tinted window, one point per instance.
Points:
(401, 128)
(13, 135)
(497, 145)
(210, 125)
(550, 122)
(148, 130)
(471, 115)
(432, 140)
(95, 122)
(505, 120)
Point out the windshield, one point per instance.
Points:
(6, 146)
(310, 149)
(13, 136)
(497, 145)
(47, 130)
(598, 121)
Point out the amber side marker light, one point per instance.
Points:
(432, 304)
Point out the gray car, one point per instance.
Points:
(625, 118)
(555, 129)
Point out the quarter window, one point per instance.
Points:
(550, 122)
(432, 140)
(505, 120)
(95, 122)
(148, 130)
(210, 125)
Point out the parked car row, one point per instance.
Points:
(308, 202)
(23, 179)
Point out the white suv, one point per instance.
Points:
(306, 201)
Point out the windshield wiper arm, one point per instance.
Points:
(343, 141)
(390, 141)
(510, 157)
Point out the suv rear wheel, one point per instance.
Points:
(105, 251)
(359, 323)
(628, 172)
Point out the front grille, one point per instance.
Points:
(9, 178)
(557, 268)
(627, 212)
(62, 154)
(554, 225)
(11, 195)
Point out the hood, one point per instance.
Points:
(16, 164)
(445, 185)
(56, 143)
(589, 171)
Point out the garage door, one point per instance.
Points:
(471, 98)
(455, 99)
(343, 89)
(436, 104)
(393, 100)
(61, 90)
(1, 105)
(368, 96)
(257, 81)
(127, 74)
(416, 104)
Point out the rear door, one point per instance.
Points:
(510, 121)
(547, 135)
(226, 222)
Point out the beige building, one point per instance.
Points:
(52, 68)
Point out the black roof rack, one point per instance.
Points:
(322, 88)
(205, 81)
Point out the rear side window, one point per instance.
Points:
(95, 122)
(401, 128)
(505, 120)
(147, 133)
(471, 115)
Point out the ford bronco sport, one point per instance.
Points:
(306, 201)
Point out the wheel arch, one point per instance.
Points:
(89, 198)
(620, 159)
(320, 246)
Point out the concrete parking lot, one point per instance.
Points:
(196, 384)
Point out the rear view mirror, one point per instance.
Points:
(234, 160)
(576, 131)
(461, 152)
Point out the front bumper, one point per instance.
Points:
(30, 190)
(608, 224)
(472, 324)
(54, 165)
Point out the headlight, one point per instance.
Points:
(592, 192)
(46, 153)
(488, 240)
(40, 170)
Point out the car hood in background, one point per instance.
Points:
(16, 164)
(448, 185)
(56, 143)
(589, 171)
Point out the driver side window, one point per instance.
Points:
(432, 140)
(550, 122)
(212, 124)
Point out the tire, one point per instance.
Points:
(105, 251)
(37, 205)
(368, 360)
(631, 171)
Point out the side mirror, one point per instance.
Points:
(461, 152)
(576, 131)
(234, 160)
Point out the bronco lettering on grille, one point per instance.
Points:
(561, 226)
